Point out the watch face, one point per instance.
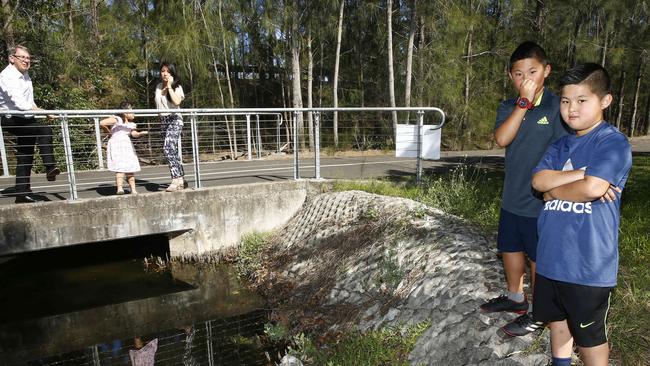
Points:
(523, 102)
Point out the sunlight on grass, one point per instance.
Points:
(629, 318)
(389, 346)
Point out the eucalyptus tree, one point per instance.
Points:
(409, 58)
(295, 11)
(8, 13)
(391, 71)
(335, 87)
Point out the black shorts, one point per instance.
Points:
(583, 307)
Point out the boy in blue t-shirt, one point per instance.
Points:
(577, 253)
(525, 126)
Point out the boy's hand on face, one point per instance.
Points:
(527, 89)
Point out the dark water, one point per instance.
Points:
(92, 304)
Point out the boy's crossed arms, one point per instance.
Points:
(574, 186)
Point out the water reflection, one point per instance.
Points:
(91, 305)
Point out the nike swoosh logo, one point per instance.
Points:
(583, 326)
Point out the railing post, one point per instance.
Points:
(208, 343)
(316, 144)
(418, 174)
(248, 137)
(3, 153)
(69, 162)
(296, 167)
(259, 137)
(277, 133)
(96, 359)
(98, 141)
(195, 151)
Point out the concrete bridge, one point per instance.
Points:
(196, 221)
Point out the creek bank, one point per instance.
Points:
(354, 260)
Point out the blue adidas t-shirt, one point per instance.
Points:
(541, 126)
(578, 241)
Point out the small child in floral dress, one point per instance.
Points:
(120, 153)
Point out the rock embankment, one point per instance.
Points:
(353, 259)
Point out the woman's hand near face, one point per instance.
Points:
(169, 81)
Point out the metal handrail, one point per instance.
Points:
(193, 113)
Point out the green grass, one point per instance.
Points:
(388, 346)
(629, 318)
(475, 195)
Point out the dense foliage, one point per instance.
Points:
(93, 54)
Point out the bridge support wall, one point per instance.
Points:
(196, 221)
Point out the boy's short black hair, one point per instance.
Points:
(528, 49)
(591, 74)
(125, 105)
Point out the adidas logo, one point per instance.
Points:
(543, 121)
(567, 206)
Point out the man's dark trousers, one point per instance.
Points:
(29, 133)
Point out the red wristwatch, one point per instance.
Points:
(524, 103)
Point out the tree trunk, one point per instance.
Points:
(94, 19)
(639, 76)
(337, 60)
(215, 67)
(295, 71)
(464, 125)
(320, 80)
(144, 13)
(360, 120)
(391, 76)
(69, 21)
(421, 63)
(409, 58)
(603, 55)
(538, 23)
(7, 27)
(571, 52)
(225, 62)
(310, 83)
(287, 116)
(188, 64)
(646, 128)
(621, 96)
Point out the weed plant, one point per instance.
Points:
(250, 249)
(465, 191)
(388, 346)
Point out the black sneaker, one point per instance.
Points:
(26, 198)
(521, 326)
(503, 303)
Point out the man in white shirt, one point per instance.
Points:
(17, 93)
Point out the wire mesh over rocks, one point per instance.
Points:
(354, 260)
